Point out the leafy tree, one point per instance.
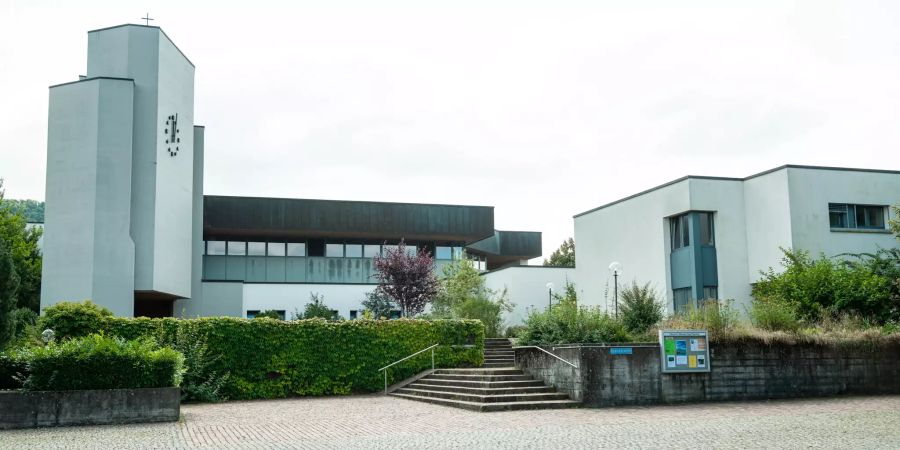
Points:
(9, 286)
(22, 244)
(32, 210)
(316, 308)
(895, 222)
(569, 295)
(564, 256)
(407, 279)
(463, 295)
(378, 304)
(639, 307)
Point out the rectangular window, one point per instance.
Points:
(215, 247)
(256, 248)
(843, 215)
(707, 232)
(710, 293)
(443, 253)
(395, 314)
(459, 252)
(679, 229)
(252, 313)
(353, 313)
(353, 250)
(334, 250)
(296, 249)
(410, 250)
(371, 250)
(681, 299)
(276, 248)
(387, 248)
(237, 248)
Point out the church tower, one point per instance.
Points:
(124, 177)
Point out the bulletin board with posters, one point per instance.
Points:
(684, 351)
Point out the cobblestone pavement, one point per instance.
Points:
(386, 422)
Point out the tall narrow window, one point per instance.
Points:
(678, 227)
(681, 299)
(707, 232)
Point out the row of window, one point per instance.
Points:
(844, 215)
(683, 297)
(331, 250)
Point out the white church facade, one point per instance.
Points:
(127, 224)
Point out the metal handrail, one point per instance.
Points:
(551, 354)
(404, 359)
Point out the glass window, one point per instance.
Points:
(252, 313)
(276, 248)
(841, 215)
(353, 313)
(395, 314)
(371, 250)
(215, 247)
(838, 216)
(296, 249)
(459, 252)
(707, 233)
(353, 250)
(387, 248)
(710, 292)
(443, 253)
(256, 248)
(411, 250)
(679, 230)
(682, 298)
(334, 250)
(237, 248)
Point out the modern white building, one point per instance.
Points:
(127, 224)
(703, 237)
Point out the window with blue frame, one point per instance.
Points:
(707, 231)
(679, 227)
(681, 299)
(845, 215)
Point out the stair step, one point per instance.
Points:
(483, 384)
(502, 398)
(488, 407)
(481, 378)
(478, 371)
(481, 390)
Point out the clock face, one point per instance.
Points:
(171, 134)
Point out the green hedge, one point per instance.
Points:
(269, 358)
(13, 368)
(101, 362)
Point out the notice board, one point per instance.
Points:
(684, 351)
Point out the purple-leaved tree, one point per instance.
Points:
(407, 279)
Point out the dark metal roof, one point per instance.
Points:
(258, 217)
(506, 247)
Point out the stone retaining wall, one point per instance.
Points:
(742, 371)
(24, 409)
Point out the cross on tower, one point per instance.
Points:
(147, 19)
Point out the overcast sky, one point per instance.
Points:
(541, 109)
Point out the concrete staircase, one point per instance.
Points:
(498, 352)
(498, 386)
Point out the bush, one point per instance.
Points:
(640, 308)
(489, 312)
(515, 331)
(13, 370)
(566, 323)
(774, 315)
(22, 319)
(715, 316)
(378, 305)
(272, 359)
(316, 308)
(72, 319)
(101, 362)
(201, 382)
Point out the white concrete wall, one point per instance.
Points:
(726, 199)
(162, 185)
(526, 287)
(633, 232)
(812, 190)
(291, 297)
(88, 251)
(220, 298)
(767, 211)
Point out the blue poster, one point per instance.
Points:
(681, 347)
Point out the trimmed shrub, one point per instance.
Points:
(272, 359)
(71, 319)
(566, 323)
(270, 314)
(774, 315)
(640, 308)
(13, 370)
(101, 362)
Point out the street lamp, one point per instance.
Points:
(550, 295)
(616, 268)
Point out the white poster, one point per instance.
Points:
(681, 360)
(695, 347)
(670, 361)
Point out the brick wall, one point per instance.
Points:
(737, 372)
